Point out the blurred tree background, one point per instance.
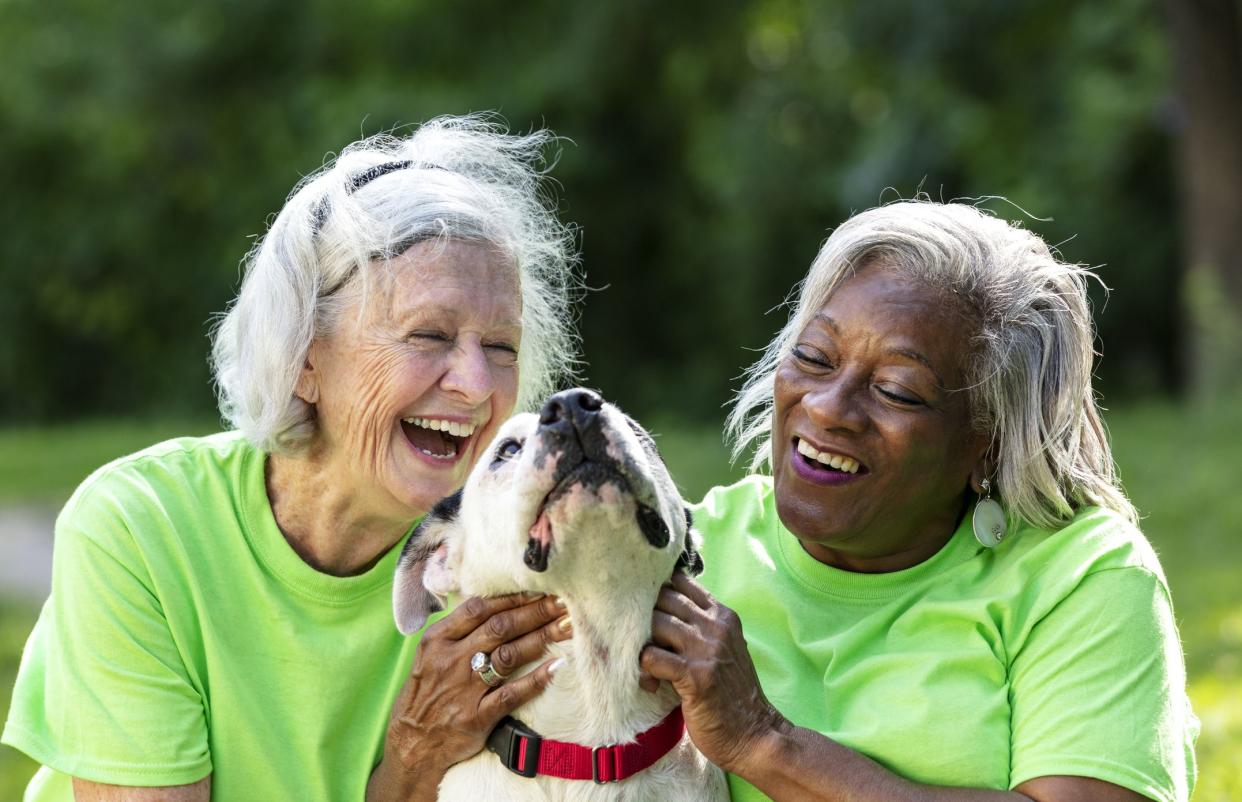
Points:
(711, 147)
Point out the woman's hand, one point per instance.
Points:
(699, 648)
(445, 712)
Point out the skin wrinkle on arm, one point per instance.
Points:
(829, 772)
(87, 791)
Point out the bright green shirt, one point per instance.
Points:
(184, 636)
(1053, 653)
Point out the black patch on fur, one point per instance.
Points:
(446, 509)
(536, 555)
(689, 562)
(644, 437)
(653, 526)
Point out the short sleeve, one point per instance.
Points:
(1098, 690)
(103, 692)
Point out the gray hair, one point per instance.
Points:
(461, 178)
(1030, 363)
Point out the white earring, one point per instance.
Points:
(988, 520)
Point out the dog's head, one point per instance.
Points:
(565, 501)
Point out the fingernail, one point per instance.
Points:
(565, 624)
(556, 665)
(531, 594)
(561, 603)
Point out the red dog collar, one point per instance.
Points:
(523, 751)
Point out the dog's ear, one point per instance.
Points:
(424, 576)
(690, 562)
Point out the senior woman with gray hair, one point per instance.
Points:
(944, 592)
(220, 622)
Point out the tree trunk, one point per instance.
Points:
(1207, 49)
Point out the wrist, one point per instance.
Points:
(394, 781)
(767, 745)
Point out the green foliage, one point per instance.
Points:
(714, 145)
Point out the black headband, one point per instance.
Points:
(359, 180)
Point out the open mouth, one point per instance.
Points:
(589, 474)
(824, 467)
(437, 438)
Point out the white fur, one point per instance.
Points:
(609, 576)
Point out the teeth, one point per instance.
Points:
(826, 458)
(438, 425)
(452, 453)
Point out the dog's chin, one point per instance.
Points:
(586, 503)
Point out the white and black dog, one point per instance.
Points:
(573, 501)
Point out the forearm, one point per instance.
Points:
(794, 764)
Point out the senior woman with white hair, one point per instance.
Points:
(220, 622)
(944, 592)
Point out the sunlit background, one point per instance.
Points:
(709, 149)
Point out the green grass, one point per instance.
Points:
(44, 464)
(1179, 465)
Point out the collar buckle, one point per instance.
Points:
(517, 746)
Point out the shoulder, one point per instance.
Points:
(1095, 556)
(738, 541)
(726, 506)
(1093, 541)
(153, 482)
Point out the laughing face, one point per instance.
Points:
(417, 377)
(872, 445)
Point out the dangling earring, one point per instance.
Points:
(988, 520)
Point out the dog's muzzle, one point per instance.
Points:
(571, 432)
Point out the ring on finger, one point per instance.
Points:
(481, 664)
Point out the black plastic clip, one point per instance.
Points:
(517, 746)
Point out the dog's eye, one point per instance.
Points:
(507, 450)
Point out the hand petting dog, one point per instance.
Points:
(698, 647)
(443, 714)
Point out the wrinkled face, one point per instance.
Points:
(417, 376)
(872, 446)
(563, 502)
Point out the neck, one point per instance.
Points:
(910, 550)
(595, 698)
(322, 519)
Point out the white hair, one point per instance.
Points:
(1030, 361)
(461, 178)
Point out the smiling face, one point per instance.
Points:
(874, 386)
(417, 376)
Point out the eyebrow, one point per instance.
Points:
(826, 319)
(922, 360)
(910, 354)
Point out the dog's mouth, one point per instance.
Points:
(588, 474)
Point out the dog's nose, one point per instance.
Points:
(578, 407)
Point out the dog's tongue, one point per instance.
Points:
(541, 530)
(540, 543)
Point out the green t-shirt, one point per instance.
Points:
(1053, 653)
(184, 636)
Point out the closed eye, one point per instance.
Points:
(811, 356)
(429, 334)
(900, 397)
